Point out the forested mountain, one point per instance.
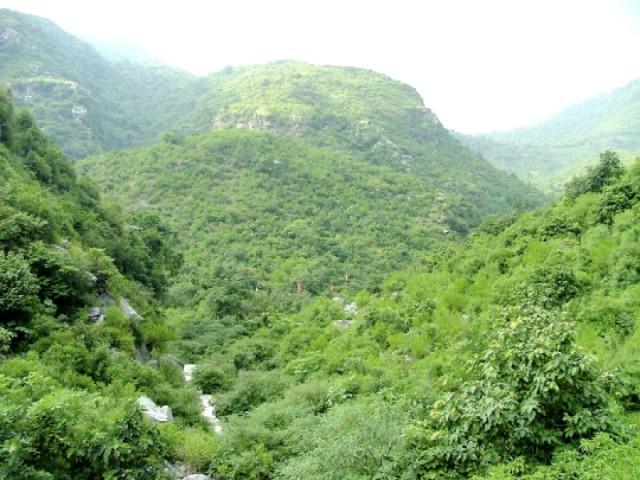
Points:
(550, 153)
(513, 355)
(83, 102)
(355, 177)
(364, 297)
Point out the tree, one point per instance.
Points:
(597, 177)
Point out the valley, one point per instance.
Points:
(308, 275)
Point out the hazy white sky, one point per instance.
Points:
(481, 65)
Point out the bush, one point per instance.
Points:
(534, 390)
(252, 389)
(597, 177)
(212, 379)
(65, 434)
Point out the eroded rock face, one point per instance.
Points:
(153, 412)
(7, 34)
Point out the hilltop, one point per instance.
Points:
(354, 177)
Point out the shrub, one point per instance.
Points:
(252, 389)
(211, 379)
(534, 390)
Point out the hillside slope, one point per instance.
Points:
(83, 102)
(548, 153)
(513, 355)
(359, 180)
(80, 318)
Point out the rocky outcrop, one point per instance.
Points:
(128, 311)
(153, 412)
(7, 34)
(141, 353)
(352, 308)
(95, 315)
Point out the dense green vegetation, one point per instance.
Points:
(257, 211)
(551, 152)
(355, 177)
(513, 355)
(83, 102)
(67, 385)
(365, 297)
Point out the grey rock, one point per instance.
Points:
(168, 413)
(352, 308)
(178, 471)
(172, 359)
(153, 412)
(106, 299)
(65, 244)
(197, 476)
(338, 299)
(188, 369)
(141, 353)
(7, 34)
(128, 311)
(342, 323)
(95, 315)
(59, 249)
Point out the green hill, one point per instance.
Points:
(360, 180)
(83, 102)
(513, 355)
(549, 153)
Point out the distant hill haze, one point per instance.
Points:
(551, 152)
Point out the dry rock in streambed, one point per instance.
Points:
(184, 472)
(154, 412)
(188, 369)
(342, 323)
